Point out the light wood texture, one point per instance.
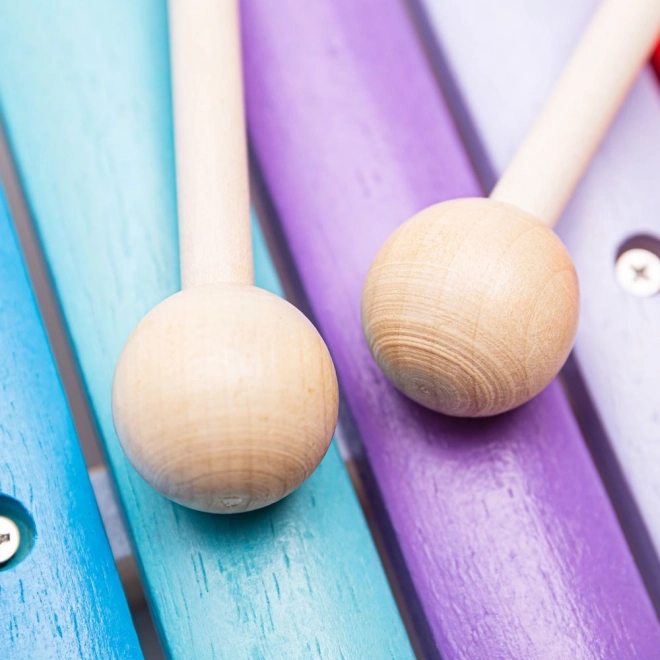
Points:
(452, 346)
(466, 365)
(225, 398)
(471, 307)
(211, 151)
(556, 151)
(298, 578)
(616, 347)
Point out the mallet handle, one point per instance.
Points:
(554, 155)
(211, 151)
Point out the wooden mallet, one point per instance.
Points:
(225, 397)
(471, 307)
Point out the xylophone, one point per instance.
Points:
(533, 534)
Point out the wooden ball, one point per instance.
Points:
(225, 398)
(471, 307)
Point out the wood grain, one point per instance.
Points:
(64, 599)
(508, 535)
(224, 397)
(299, 578)
(470, 308)
(617, 342)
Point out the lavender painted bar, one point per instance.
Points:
(508, 535)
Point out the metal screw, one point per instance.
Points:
(10, 539)
(638, 272)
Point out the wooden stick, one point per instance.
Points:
(557, 150)
(225, 397)
(211, 153)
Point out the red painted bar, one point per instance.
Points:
(508, 536)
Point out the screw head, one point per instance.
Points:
(638, 272)
(10, 539)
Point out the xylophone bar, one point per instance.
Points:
(504, 65)
(85, 94)
(510, 540)
(48, 607)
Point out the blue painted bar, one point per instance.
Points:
(85, 91)
(63, 598)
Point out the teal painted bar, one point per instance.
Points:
(48, 608)
(84, 87)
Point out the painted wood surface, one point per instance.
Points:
(64, 599)
(508, 534)
(85, 92)
(504, 64)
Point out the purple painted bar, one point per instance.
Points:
(510, 541)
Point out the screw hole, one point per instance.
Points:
(637, 265)
(17, 515)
